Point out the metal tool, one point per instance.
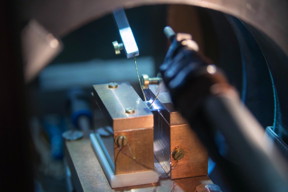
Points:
(129, 43)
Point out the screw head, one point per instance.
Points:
(113, 85)
(178, 154)
(145, 80)
(130, 110)
(117, 47)
(121, 141)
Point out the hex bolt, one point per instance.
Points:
(146, 80)
(113, 85)
(121, 141)
(178, 154)
(117, 47)
(129, 110)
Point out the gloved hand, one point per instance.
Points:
(188, 76)
(211, 106)
(190, 80)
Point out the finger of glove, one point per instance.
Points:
(182, 59)
(173, 49)
(194, 67)
(179, 80)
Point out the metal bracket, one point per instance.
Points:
(126, 34)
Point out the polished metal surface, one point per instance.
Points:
(124, 107)
(268, 16)
(132, 124)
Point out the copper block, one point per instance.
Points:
(132, 123)
(177, 147)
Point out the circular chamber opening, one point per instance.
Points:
(254, 61)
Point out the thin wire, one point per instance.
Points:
(173, 166)
(130, 151)
(119, 151)
(156, 97)
(131, 155)
(137, 72)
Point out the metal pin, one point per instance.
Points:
(146, 80)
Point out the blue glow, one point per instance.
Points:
(154, 105)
